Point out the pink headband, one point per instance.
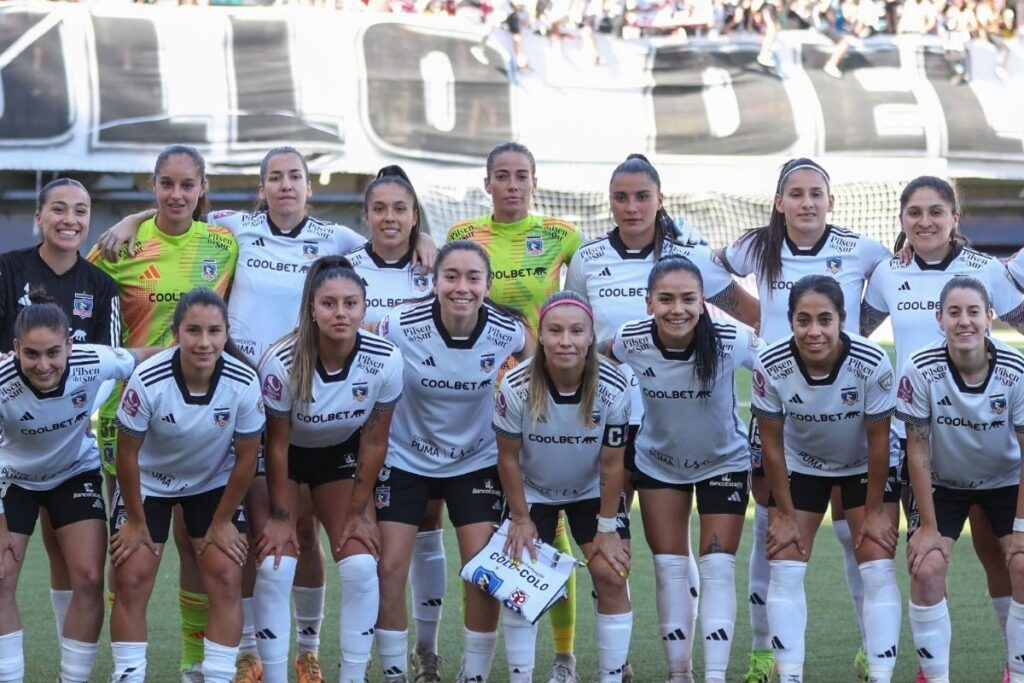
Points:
(571, 302)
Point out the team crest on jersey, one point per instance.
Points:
(108, 454)
(360, 391)
(382, 497)
(78, 399)
(272, 387)
(849, 395)
(534, 246)
(834, 264)
(759, 385)
(385, 473)
(209, 269)
(310, 250)
(221, 417)
(487, 362)
(595, 420)
(998, 403)
(131, 402)
(82, 306)
(420, 282)
(906, 390)
(486, 580)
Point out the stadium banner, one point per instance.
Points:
(91, 87)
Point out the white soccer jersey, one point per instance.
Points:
(45, 438)
(272, 265)
(688, 434)
(825, 418)
(1015, 269)
(342, 402)
(910, 295)
(443, 427)
(848, 257)
(387, 284)
(973, 429)
(560, 456)
(186, 446)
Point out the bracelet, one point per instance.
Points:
(1018, 524)
(609, 524)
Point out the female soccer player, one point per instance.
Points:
(561, 420)
(330, 389)
(823, 401)
(192, 393)
(528, 253)
(392, 213)
(88, 297)
(962, 399)
(797, 241)
(909, 292)
(50, 463)
(686, 365)
(442, 446)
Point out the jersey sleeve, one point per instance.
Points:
(108, 315)
(879, 402)
(619, 411)
(716, 278)
(508, 412)
(872, 252)
(519, 343)
(346, 239)
(764, 398)
(618, 348)
(571, 244)
(115, 363)
(912, 403)
(1015, 270)
(737, 257)
(392, 389)
(386, 329)
(274, 384)
(227, 219)
(251, 413)
(95, 257)
(746, 353)
(878, 286)
(1006, 298)
(135, 410)
(575, 279)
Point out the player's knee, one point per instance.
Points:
(391, 573)
(1016, 568)
(87, 580)
(223, 579)
(607, 582)
(308, 533)
(930, 579)
(132, 585)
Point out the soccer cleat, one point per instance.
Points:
(400, 678)
(248, 669)
(193, 675)
(762, 667)
(860, 665)
(627, 673)
(426, 665)
(461, 677)
(562, 673)
(307, 669)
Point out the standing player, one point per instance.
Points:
(50, 463)
(88, 297)
(823, 401)
(442, 446)
(1015, 269)
(962, 399)
(175, 251)
(192, 393)
(528, 253)
(909, 293)
(561, 421)
(796, 242)
(686, 366)
(330, 389)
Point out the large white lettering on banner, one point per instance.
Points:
(526, 587)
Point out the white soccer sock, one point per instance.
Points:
(272, 616)
(1001, 606)
(218, 662)
(758, 578)
(129, 662)
(717, 612)
(393, 650)
(248, 641)
(12, 658)
(787, 616)
(360, 601)
(613, 635)
(853, 579)
(1015, 638)
(520, 646)
(673, 596)
(932, 632)
(693, 584)
(76, 660)
(59, 601)
(477, 654)
(883, 615)
(309, 617)
(428, 576)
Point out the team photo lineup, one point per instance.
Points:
(246, 383)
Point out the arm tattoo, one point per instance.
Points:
(714, 545)
(870, 319)
(921, 434)
(372, 420)
(604, 479)
(727, 300)
(278, 513)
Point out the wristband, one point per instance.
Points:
(607, 525)
(1018, 524)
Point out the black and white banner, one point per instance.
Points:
(90, 88)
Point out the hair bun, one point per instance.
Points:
(39, 295)
(392, 171)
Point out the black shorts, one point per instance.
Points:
(513, 23)
(904, 467)
(629, 455)
(811, 493)
(725, 494)
(471, 498)
(953, 505)
(261, 457)
(73, 500)
(754, 442)
(582, 516)
(197, 510)
(315, 466)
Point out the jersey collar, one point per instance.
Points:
(470, 342)
(615, 239)
(990, 349)
(559, 399)
(381, 263)
(43, 264)
(326, 377)
(56, 392)
(179, 379)
(670, 354)
(813, 251)
(276, 231)
(941, 265)
(825, 381)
